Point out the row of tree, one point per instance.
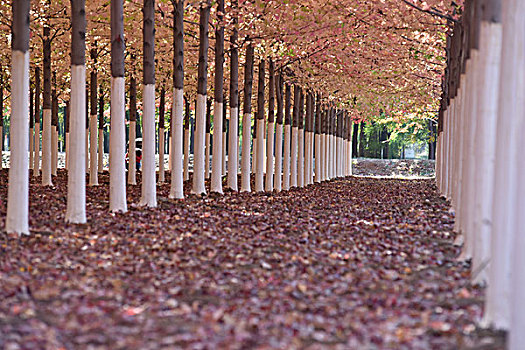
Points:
(315, 124)
(479, 167)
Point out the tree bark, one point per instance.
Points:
(117, 135)
(17, 219)
(247, 120)
(132, 146)
(233, 151)
(271, 131)
(200, 116)
(76, 196)
(162, 145)
(287, 141)
(46, 127)
(36, 142)
(93, 130)
(279, 134)
(149, 180)
(259, 156)
(216, 176)
(178, 136)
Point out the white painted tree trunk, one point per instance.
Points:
(36, 143)
(100, 165)
(199, 145)
(46, 148)
(269, 157)
(216, 175)
(300, 158)
(67, 150)
(17, 220)
(502, 308)
(186, 154)
(278, 157)
(293, 156)
(31, 147)
(117, 148)
(149, 181)
(485, 147)
(132, 153)
(76, 179)
(254, 153)
(86, 137)
(513, 17)
(54, 150)
(317, 158)
(176, 152)
(286, 157)
(224, 145)
(162, 144)
(307, 159)
(259, 157)
(233, 151)
(207, 156)
(93, 156)
(245, 153)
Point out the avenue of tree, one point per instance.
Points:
(308, 73)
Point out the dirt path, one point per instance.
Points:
(357, 263)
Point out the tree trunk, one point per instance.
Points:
(279, 134)
(216, 176)
(187, 140)
(149, 181)
(66, 126)
(54, 131)
(117, 135)
(247, 120)
(76, 195)
(93, 130)
(36, 142)
(200, 113)
(47, 129)
(287, 141)
(132, 145)
(161, 133)
(31, 121)
(318, 141)
(295, 137)
(300, 141)
(259, 156)
(233, 151)
(362, 139)
(17, 220)
(100, 129)
(177, 142)
(207, 143)
(271, 131)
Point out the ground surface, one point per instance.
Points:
(357, 263)
(394, 167)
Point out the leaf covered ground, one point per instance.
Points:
(355, 263)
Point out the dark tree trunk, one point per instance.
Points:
(178, 45)
(148, 32)
(162, 108)
(219, 54)
(208, 115)
(47, 67)
(100, 110)
(296, 100)
(203, 49)
(288, 105)
(37, 96)
(362, 139)
(248, 80)
(117, 39)
(31, 105)
(186, 113)
(355, 138)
